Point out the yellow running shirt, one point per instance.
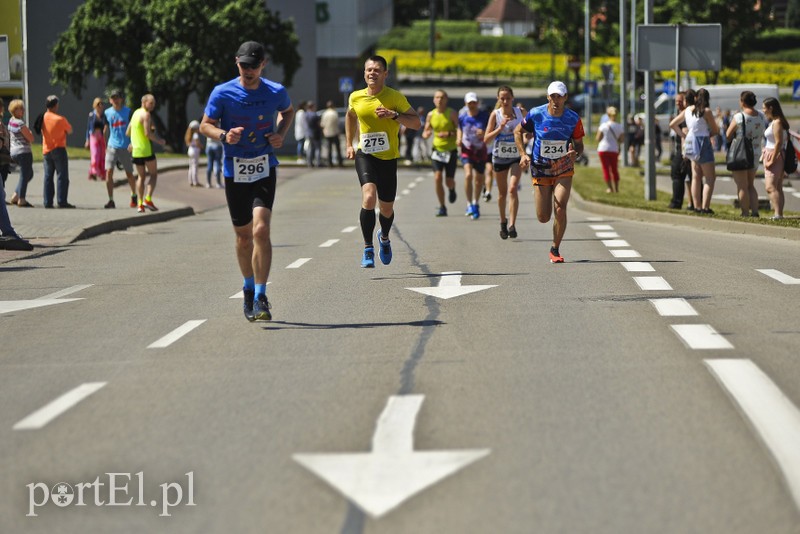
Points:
(442, 122)
(142, 148)
(378, 137)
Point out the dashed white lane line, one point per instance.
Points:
(606, 235)
(673, 307)
(617, 243)
(422, 178)
(625, 253)
(652, 283)
(329, 243)
(701, 336)
(405, 192)
(789, 189)
(412, 185)
(594, 219)
(298, 263)
(637, 266)
(348, 229)
(783, 278)
(796, 195)
(601, 227)
(773, 416)
(176, 334)
(47, 413)
(65, 292)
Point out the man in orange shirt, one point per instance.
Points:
(55, 129)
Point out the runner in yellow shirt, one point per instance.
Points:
(377, 113)
(442, 124)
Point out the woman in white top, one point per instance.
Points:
(609, 136)
(775, 138)
(505, 157)
(700, 126)
(752, 124)
(300, 132)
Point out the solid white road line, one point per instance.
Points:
(348, 229)
(779, 276)
(298, 263)
(47, 413)
(772, 414)
(329, 243)
(637, 266)
(65, 292)
(176, 334)
(673, 307)
(652, 283)
(606, 235)
(701, 336)
(625, 253)
(601, 227)
(615, 243)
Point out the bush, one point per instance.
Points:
(452, 35)
(777, 40)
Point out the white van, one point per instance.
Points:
(722, 96)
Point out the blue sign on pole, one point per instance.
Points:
(590, 87)
(796, 90)
(669, 87)
(345, 84)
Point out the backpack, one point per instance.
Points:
(790, 159)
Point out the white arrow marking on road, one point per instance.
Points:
(783, 278)
(772, 414)
(7, 306)
(381, 480)
(449, 287)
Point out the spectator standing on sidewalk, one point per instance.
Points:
(97, 150)
(193, 149)
(118, 117)
(314, 132)
(329, 122)
(55, 129)
(21, 139)
(300, 132)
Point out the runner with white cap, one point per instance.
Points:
(471, 129)
(558, 134)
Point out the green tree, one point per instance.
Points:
(171, 48)
(793, 14)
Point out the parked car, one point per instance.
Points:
(599, 104)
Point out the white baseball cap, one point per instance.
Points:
(557, 88)
(470, 97)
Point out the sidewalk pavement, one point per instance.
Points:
(57, 227)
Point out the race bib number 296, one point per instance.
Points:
(250, 170)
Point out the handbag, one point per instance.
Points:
(691, 147)
(5, 157)
(740, 152)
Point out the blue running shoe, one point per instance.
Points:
(249, 296)
(368, 259)
(441, 212)
(261, 309)
(476, 212)
(468, 213)
(385, 250)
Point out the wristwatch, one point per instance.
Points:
(222, 136)
(396, 115)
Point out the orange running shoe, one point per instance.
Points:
(149, 205)
(555, 257)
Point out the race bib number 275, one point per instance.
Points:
(374, 142)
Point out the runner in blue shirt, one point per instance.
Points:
(117, 118)
(241, 114)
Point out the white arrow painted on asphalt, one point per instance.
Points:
(7, 306)
(449, 287)
(379, 481)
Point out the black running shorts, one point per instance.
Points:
(449, 168)
(381, 172)
(243, 198)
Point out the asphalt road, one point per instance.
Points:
(560, 399)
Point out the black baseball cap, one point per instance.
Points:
(250, 53)
(115, 93)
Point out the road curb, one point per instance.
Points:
(691, 221)
(128, 222)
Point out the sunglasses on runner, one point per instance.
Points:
(250, 66)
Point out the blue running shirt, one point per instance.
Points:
(552, 136)
(117, 124)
